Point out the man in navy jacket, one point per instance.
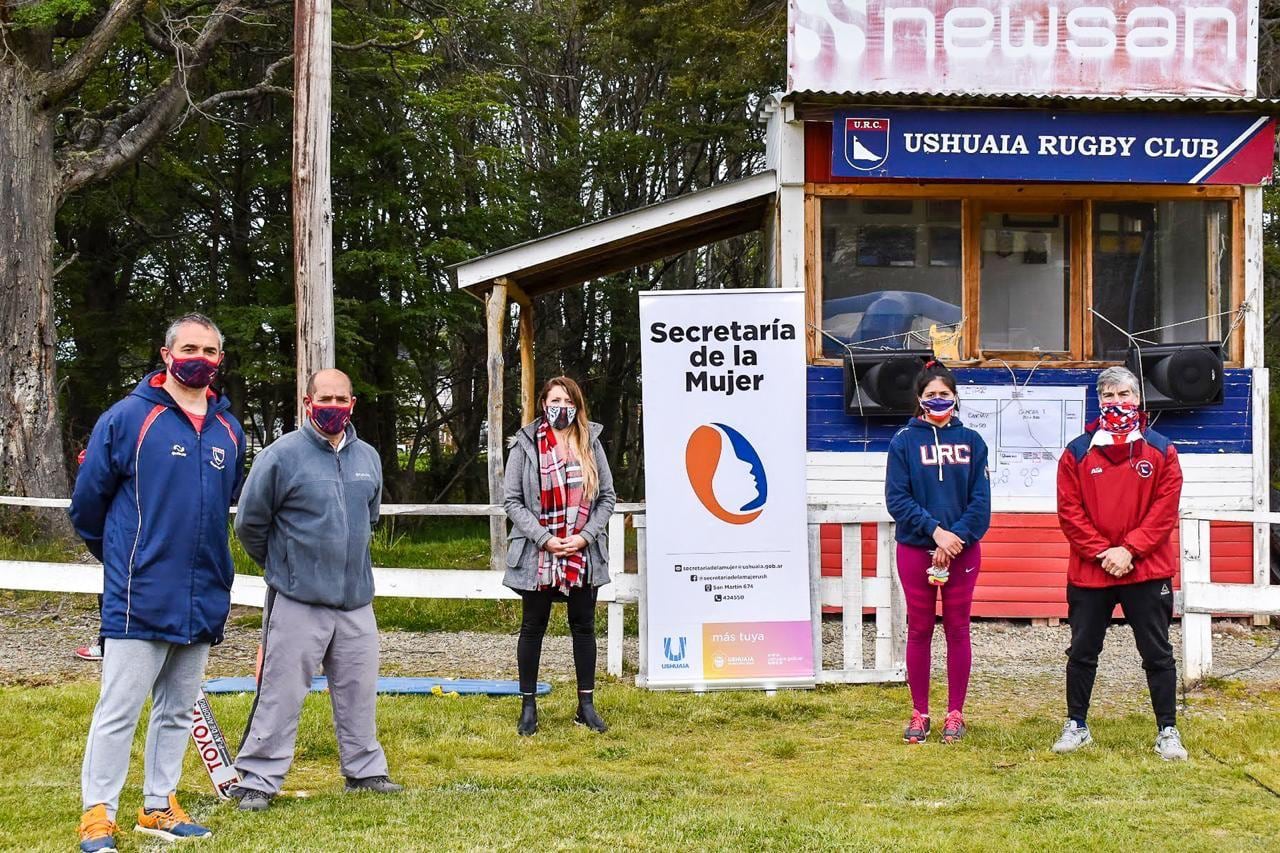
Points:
(151, 502)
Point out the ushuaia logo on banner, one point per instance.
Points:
(866, 142)
(673, 648)
(731, 485)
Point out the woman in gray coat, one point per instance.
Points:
(559, 496)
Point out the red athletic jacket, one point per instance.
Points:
(1124, 494)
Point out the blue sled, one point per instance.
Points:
(412, 686)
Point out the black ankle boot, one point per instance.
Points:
(587, 715)
(528, 723)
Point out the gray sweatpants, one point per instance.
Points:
(132, 670)
(297, 639)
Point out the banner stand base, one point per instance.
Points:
(771, 685)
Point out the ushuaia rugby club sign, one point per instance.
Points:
(1007, 145)
(1076, 47)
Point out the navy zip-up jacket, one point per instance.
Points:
(938, 476)
(151, 502)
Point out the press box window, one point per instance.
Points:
(1025, 284)
(1158, 268)
(890, 271)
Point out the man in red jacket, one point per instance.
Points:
(1118, 491)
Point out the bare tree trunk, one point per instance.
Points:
(31, 459)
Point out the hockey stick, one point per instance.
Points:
(212, 748)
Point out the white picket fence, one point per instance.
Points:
(474, 584)
(881, 592)
(1201, 597)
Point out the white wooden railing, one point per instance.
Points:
(851, 592)
(1201, 597)
(882, 592)
(474, 584)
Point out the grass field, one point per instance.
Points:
(742, 771)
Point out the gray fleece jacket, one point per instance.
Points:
(306, 516)
(523, 502)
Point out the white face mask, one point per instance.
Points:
(560, 417)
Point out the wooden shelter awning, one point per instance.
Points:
(626, 240)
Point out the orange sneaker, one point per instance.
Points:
(97, 831)
(171, 824)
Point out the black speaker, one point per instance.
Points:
(883, 383)
(1178, 376)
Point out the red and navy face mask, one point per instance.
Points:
(330, 420)
(1120, 417)
(195, 372)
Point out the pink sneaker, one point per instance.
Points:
(954, 728)
(917, 730)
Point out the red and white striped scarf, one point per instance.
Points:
(564, 512)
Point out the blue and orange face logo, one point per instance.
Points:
(732, 486)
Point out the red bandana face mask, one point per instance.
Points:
(1120, 418)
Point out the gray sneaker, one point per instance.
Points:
(1072, 738)
(377, 784)
(249, 799)
(1169, 745)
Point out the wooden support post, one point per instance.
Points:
(815, 595)
(495, 317)
(528, 374)
(617, 561)
(1197, 628)
(851, 594)
(642, 562)
(886, 550)
(312, 204)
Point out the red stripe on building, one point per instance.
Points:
(1252, 163)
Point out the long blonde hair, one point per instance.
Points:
(579, 432)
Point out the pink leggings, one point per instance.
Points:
(957, 601)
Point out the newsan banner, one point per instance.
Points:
(724, 451)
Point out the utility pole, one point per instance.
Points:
(312, 200)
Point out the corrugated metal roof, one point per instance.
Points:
(624, 240)
(809, 101)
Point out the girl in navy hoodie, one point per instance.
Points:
(938, 492)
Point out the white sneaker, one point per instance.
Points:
(1072, 738)
(1169, 745)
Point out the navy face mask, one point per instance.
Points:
(560, 417)
(196, 372)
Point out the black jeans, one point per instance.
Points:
(1148, 608)
(535, 614)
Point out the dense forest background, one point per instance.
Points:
(459, 127)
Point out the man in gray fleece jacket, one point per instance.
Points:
(306, 516)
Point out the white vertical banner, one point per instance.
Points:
(724, 457)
